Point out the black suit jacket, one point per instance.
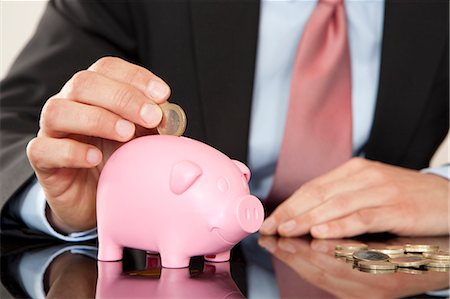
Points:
(206, 51)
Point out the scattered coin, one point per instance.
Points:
(438, 255)
(349, 259)
(409, 261)
(419, 248)
(155, 273)
(351, 246)
(438, 264)
(344, 253)
(411, 271)
(173, 120)
(437, 269)
(392, 251)
(366, 255)
(377, 265)
(376, 271)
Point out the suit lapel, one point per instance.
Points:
(225, 40)
(411, 50)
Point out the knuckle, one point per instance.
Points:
(80, 81)
(314, 191)
(95, 120)
(33, 150)
(358, 162)
(50, 113)
(365, 218)
(137, 74)
(104, 64)
(373, 174)
(124, 98)
(68, 155)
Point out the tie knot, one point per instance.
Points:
(332, 2)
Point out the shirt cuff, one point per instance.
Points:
(30, 208)
(442, 171)
(33, 265)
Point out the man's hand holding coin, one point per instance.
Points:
(98, 109)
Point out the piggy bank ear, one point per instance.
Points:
(244, 169)
(183, 175)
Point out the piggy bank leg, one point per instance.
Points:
(109, 251)
(174, 260)
(219, 257)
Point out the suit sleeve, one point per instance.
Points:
(70, 37)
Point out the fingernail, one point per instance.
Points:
(93, 156)
(124, 128)
(151, 114)
(287, 226)
(157, 90)
(321, 229)
(286, 246)
(320, 247)
(269, 245)
(268, 227)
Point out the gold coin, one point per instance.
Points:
(351, 246)
(173, 121)
(343, 253)
(411, 271)
(377, 265)
(409, 261)
(376, 271)
(394, 251)
(437, 269)
(438, 264)
(438, 255)
(419, 248)
(366, 255)
(349, 259)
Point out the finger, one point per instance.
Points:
(46, 154)
(122, 99)
(63, 117)
(139, 77)
(315, 192)
(336, 207)
(373, 220)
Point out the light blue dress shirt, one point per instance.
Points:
(281, 26)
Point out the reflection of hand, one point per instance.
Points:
(324, 271)
(363, 196)
(71, 276)
(81, 126)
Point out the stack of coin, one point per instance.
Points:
(438, 259)
(411, 258)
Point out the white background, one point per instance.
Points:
(18, 20)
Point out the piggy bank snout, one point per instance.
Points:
(250, 214)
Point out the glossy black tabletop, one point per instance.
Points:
(261, 267)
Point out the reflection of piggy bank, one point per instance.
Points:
(175, 196)
(214, 281)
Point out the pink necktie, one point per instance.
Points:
(317, 135)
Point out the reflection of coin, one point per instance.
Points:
(409, 261)
(343, 253)
(173, 120)
(351, 246)
(419, 248)
(438, 264)
(438, 255)
(411, 271)
(376, 271)
(366, 255)
(377, 265)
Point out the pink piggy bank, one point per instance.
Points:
(176, 196)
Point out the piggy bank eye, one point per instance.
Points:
(222, 185)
